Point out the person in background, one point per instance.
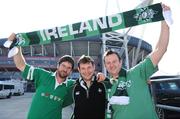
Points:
(129, 96)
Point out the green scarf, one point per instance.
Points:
(148, 14)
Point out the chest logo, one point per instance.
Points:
(77, 93)
(51, 96)
(123, 85)
(100, 90)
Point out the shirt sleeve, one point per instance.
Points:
(145, 68)
(28, 72)
(34, 73)
(69, 97)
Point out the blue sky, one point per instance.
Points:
(29, 15)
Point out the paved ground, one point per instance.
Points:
(17, 107)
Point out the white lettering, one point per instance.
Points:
(102, 24)
(52, 33)
(85, 26)
(115, 16)
(43, 35)
(62, 31)
(71, 30)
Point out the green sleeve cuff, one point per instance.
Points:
(25, 72)
(155, 68)
(150, 68)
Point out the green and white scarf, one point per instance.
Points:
(149, 14)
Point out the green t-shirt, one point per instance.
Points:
(48, 101)
(140, 104)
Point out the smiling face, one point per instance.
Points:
(64, 69)
(86, 70)
(113, 64)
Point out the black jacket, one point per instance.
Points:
(90, 103)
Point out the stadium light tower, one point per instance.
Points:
(123, 37)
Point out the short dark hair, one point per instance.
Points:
(85, 59)
(110, 52)
(67, 58)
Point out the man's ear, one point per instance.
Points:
(78, 69)
(58, 65)
(104, 64)
(94, 67)
(121, 61)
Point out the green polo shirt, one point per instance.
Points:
(141, 105)
(48, 101)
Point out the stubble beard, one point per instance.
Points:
(62, 74)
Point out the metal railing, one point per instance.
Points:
(160, 80)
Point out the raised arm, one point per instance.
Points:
(18, 58)
(162, 44)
